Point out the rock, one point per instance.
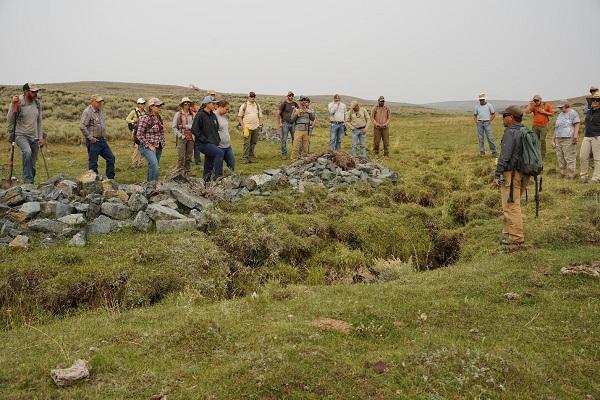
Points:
(94, 198)
(81, 207)
(73, 219)
(93, 211)
(6, 227)
(46, 225)
(67, 187)
(190, 201)
(108, 185)
(116, 210)
(68, 376)
(512, 296)
(13, 196)
(131, 189)
(142, 222)
(272, 171)
(26, 212)
(50, 192)
(160, 212)
(118, 194)
(590, 268)
(256, 181)
(175, 225)
(206, 219)
(53, 181)
(137, 202)
(79, 240)
(170, 203)
(55, 209)
(19, 242)
(89, 183)
(3, 209)
(102, 225)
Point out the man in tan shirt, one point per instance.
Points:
(250, 118)
(357, 121)
(380, 115)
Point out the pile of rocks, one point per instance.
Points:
(70, 209)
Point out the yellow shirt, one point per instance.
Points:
(251, 116)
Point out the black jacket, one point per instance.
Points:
(511, 150)
(206, 128)
(592, 123)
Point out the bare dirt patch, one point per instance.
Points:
(333, 325)
(592, 269)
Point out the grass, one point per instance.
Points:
(227, 314)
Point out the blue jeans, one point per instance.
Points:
(358, 136)
(287, 129)
(336, 133)
(100, 148)
(197, 158)
(153, 158)
(229, 158)
(213, 160)
(485, 128)
(29, 149)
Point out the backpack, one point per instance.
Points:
(246, 105)
(133, 127)
(530, 164)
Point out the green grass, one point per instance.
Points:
(227, 314)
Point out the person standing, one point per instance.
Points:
(206, 130)
(151, 135)
(357, 120)
(224, 137)
(509, 178)
(304, 118)
(184, 140)
(93, 128)
(380, 116)
(132, 118)
(541, 116)
(250, 117)
(337, 119)
(25, 129)
(284, 121)
(483, 115)
(564, 139)
(591, 142)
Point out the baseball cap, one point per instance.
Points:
(515, 111)
(97, 97)
(154, 101)
(290, 93)
(251, 94)
(593, 88)
(563, 103)
(209, 99)
(381, 98)
(30, 87)
(482, 96)
(537, 97)
(141, 101)
(302, 98)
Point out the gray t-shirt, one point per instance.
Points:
(484, 112)
(564, 124)
(29, 123)
(223, 131)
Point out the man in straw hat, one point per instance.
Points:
(483, 115)
(591, 142)
(564, 140)
(93, 128)
(26, 125)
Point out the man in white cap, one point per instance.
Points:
(132, 119)
(93, 128)
(483, 116)
(564, 140)
(25, 128)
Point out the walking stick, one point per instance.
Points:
(45, 164)
(15, 110)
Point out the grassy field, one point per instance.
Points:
(230, 313)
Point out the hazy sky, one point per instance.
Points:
(413, 51)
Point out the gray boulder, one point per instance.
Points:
(102, 225)
(160, 212)
(73, 219)
(79, 240)
(20, 242)
(116, 210)
(189, 200)
(142, 222)
(137, 202)
(46, 225)
(13, 196)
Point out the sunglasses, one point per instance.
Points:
(504, 115)
(536, 101)
(595, 100)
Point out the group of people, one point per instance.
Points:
(509, 175)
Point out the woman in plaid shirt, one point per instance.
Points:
(151, 134)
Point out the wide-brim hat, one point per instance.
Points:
(185, 100)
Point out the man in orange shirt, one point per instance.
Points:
(541, 116)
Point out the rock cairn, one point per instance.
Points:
(64, 209)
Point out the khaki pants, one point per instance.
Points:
(378, 135)
(185, 153)
(590, 146)
(541, 132)
(250, 144)
(137, 161)
(513, 219)
(300, 140)
(566, 154)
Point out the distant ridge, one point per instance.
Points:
(468, 105)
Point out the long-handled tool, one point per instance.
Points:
(8, 182)
(45, 164)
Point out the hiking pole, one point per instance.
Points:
(16, 110)
(45, 164)
(537, 197)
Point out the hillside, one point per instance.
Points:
(468, 105)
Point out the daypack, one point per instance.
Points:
(133, 127)
(245, 105)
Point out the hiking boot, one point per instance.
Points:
(481, 154)
(508, 242)
(284, 156)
